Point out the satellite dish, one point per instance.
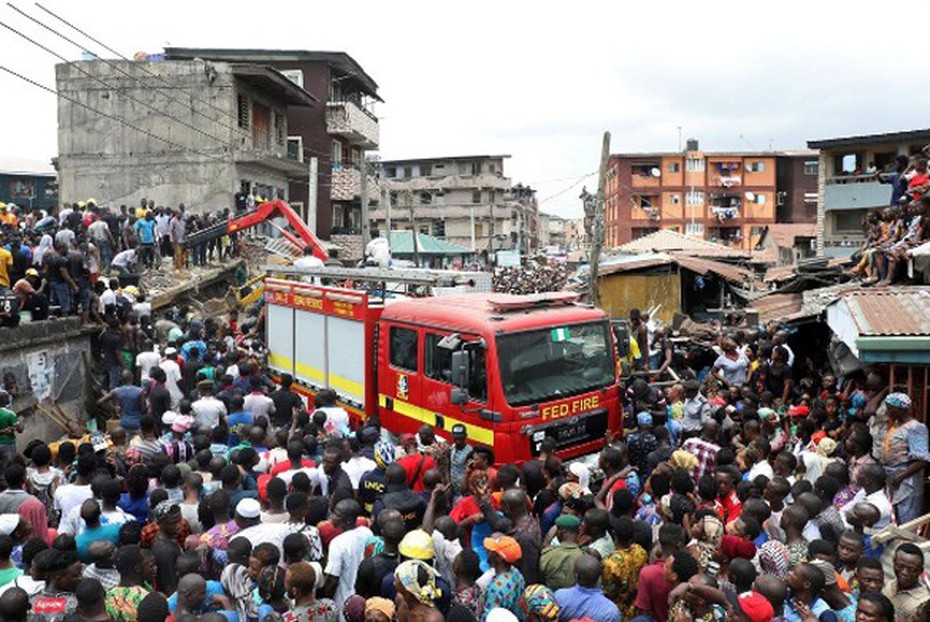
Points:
(655, 172)
(750, 196)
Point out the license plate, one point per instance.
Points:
(569, 434)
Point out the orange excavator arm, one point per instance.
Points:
(262, 213)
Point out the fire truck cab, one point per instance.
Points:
(512, 369)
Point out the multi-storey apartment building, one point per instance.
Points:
(329, 140)
(728, 198)
(849, 185)
(466, 200)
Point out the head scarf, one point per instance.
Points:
(582, 473)
(774, 559)
(540, 600)
(408, 573)
(44, 245)
(712, 530)
(829, 572)
(384, 454)
(35, 513)
(354, 609)
(164, 510)
(825, 447)
(383, 605)
(681, 459)
(898, 400)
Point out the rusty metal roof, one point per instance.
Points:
(703, 266)
(894, 311)
(781, 307)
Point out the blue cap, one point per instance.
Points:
(644, 418)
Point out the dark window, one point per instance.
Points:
(476, 196)
(674, 167)
(478, 376)
(408, 172)
(244, 112)
(476, 168)
(437, 363)
(393, 197)
(811, 166)
(439, 228)
(390, 171)
(426, 198)
(849, 221)
(404, 348)
(425, 170)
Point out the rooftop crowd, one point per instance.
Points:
(749, 492)
(900, 231)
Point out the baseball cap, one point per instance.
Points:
(459, 430)
(799, 411)
(407, 438)
(249, 508)
(755, 606)
(171, 351)
(505, 546)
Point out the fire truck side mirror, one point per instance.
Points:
(460, 367)
(458, 396)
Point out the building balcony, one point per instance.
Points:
(855, 192)
(352, 122)
(347, 184)
(724, 213)
(725, 181)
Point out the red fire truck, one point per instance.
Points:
(512, 369)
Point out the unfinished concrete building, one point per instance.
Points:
(192, 132)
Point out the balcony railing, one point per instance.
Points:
(852, 179)
(351, 121)
(726, 181)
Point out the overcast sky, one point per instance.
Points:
(541, 81)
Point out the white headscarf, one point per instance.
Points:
(580, 471)
(44, 245)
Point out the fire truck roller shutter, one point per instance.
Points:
(310, 343)
(279, 327)
(345, 355)
(476, 433)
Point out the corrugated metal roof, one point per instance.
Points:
(784, 234)
(665, 240)
(402, 244)
(629, 263)
(901, 311)
(782, 307)
(703, 266)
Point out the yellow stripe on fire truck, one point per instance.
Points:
(477, 433)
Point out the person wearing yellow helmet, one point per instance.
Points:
(29, 292)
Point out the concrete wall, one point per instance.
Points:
(125, 134)
(46, 359)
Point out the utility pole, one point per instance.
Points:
(363, 191)
(408, 196)
(386, 202)
(491, 234)
(598, 225)
(312, 194)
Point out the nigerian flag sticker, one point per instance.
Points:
(560, 334)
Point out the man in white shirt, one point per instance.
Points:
(346, 552)
(872, 490)
(337, 419)
(208, 411)
(147, 360)
(309, 261)
(172, 376)
(70, 496)
(256, 402)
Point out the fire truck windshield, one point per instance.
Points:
(554, 363)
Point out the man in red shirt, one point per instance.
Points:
(415, 463)
(728, 505)
(672, 565)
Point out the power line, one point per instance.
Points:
(141, 66)
(110, 86)
(561, 192)
(239, 167)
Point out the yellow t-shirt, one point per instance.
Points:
(6, 260)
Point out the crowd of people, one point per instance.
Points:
(900, 231)
(532, 278)
(207, 489)
(55, 262)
